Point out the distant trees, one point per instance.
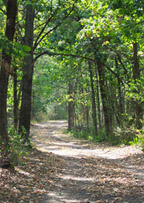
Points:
(106, 37)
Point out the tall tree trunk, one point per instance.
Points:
(98, 100)
(136, 76)
(94, 113)
(87, 110)
(6, 69)
(15, 101)
(104, 98)
(70, 107)
(25, 111)
(3, 106)
(121, 105)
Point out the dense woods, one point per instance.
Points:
(71, 59)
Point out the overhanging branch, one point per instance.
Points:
(74, 56)
(62, 54)
(38, 40)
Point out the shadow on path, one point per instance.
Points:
(91, 172)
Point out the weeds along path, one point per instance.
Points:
(91, 172)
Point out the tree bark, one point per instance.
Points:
(70, 107)
(104, 98)
(136, 76)
(25, 111)
(15, 101)
(94, 113)
(98, 100)
(121, 105)
(6, 69)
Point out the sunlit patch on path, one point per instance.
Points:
(92, 172)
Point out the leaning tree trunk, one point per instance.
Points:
(6, 69)
(25, 111)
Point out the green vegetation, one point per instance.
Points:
(77, 60)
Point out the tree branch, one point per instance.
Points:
(3, 11)
(41, 32)
(111, 71)
(74, 56)
(119, 58)
(61, 54)
(52, 29)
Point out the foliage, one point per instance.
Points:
(17, 147)
(139, 140)
(48, 91)
(67, 36)
(124, 135)
(88, 134)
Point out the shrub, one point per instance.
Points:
(124, 135)
(89, 134)
(15, 150)
(139, 140)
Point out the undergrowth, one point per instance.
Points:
(16, 149)
(88, 134)
(123, 135)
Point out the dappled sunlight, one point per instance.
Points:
(65, 169)
(93, 172)
(49, 138)
(100, 181)
(31, 180)
(59, 146)
(56, 197)
(77, 178)
(20, 171)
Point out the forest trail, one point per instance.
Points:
(91, 173)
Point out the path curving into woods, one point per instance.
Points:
(90, 172)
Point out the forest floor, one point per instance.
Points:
(63, 169)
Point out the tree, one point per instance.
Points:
(6, 68)
(94, 112)
(25, 111)
(53, 18)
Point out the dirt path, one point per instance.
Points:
(91, 172)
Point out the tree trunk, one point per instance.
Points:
(94, 113)
(121, 105)
(5, 71)
(70, 107)
(136, 76)
(3, 106)
(104, 98)
(25, 111)
(15, 101)
(98, 100)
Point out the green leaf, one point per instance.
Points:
(26, 48)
